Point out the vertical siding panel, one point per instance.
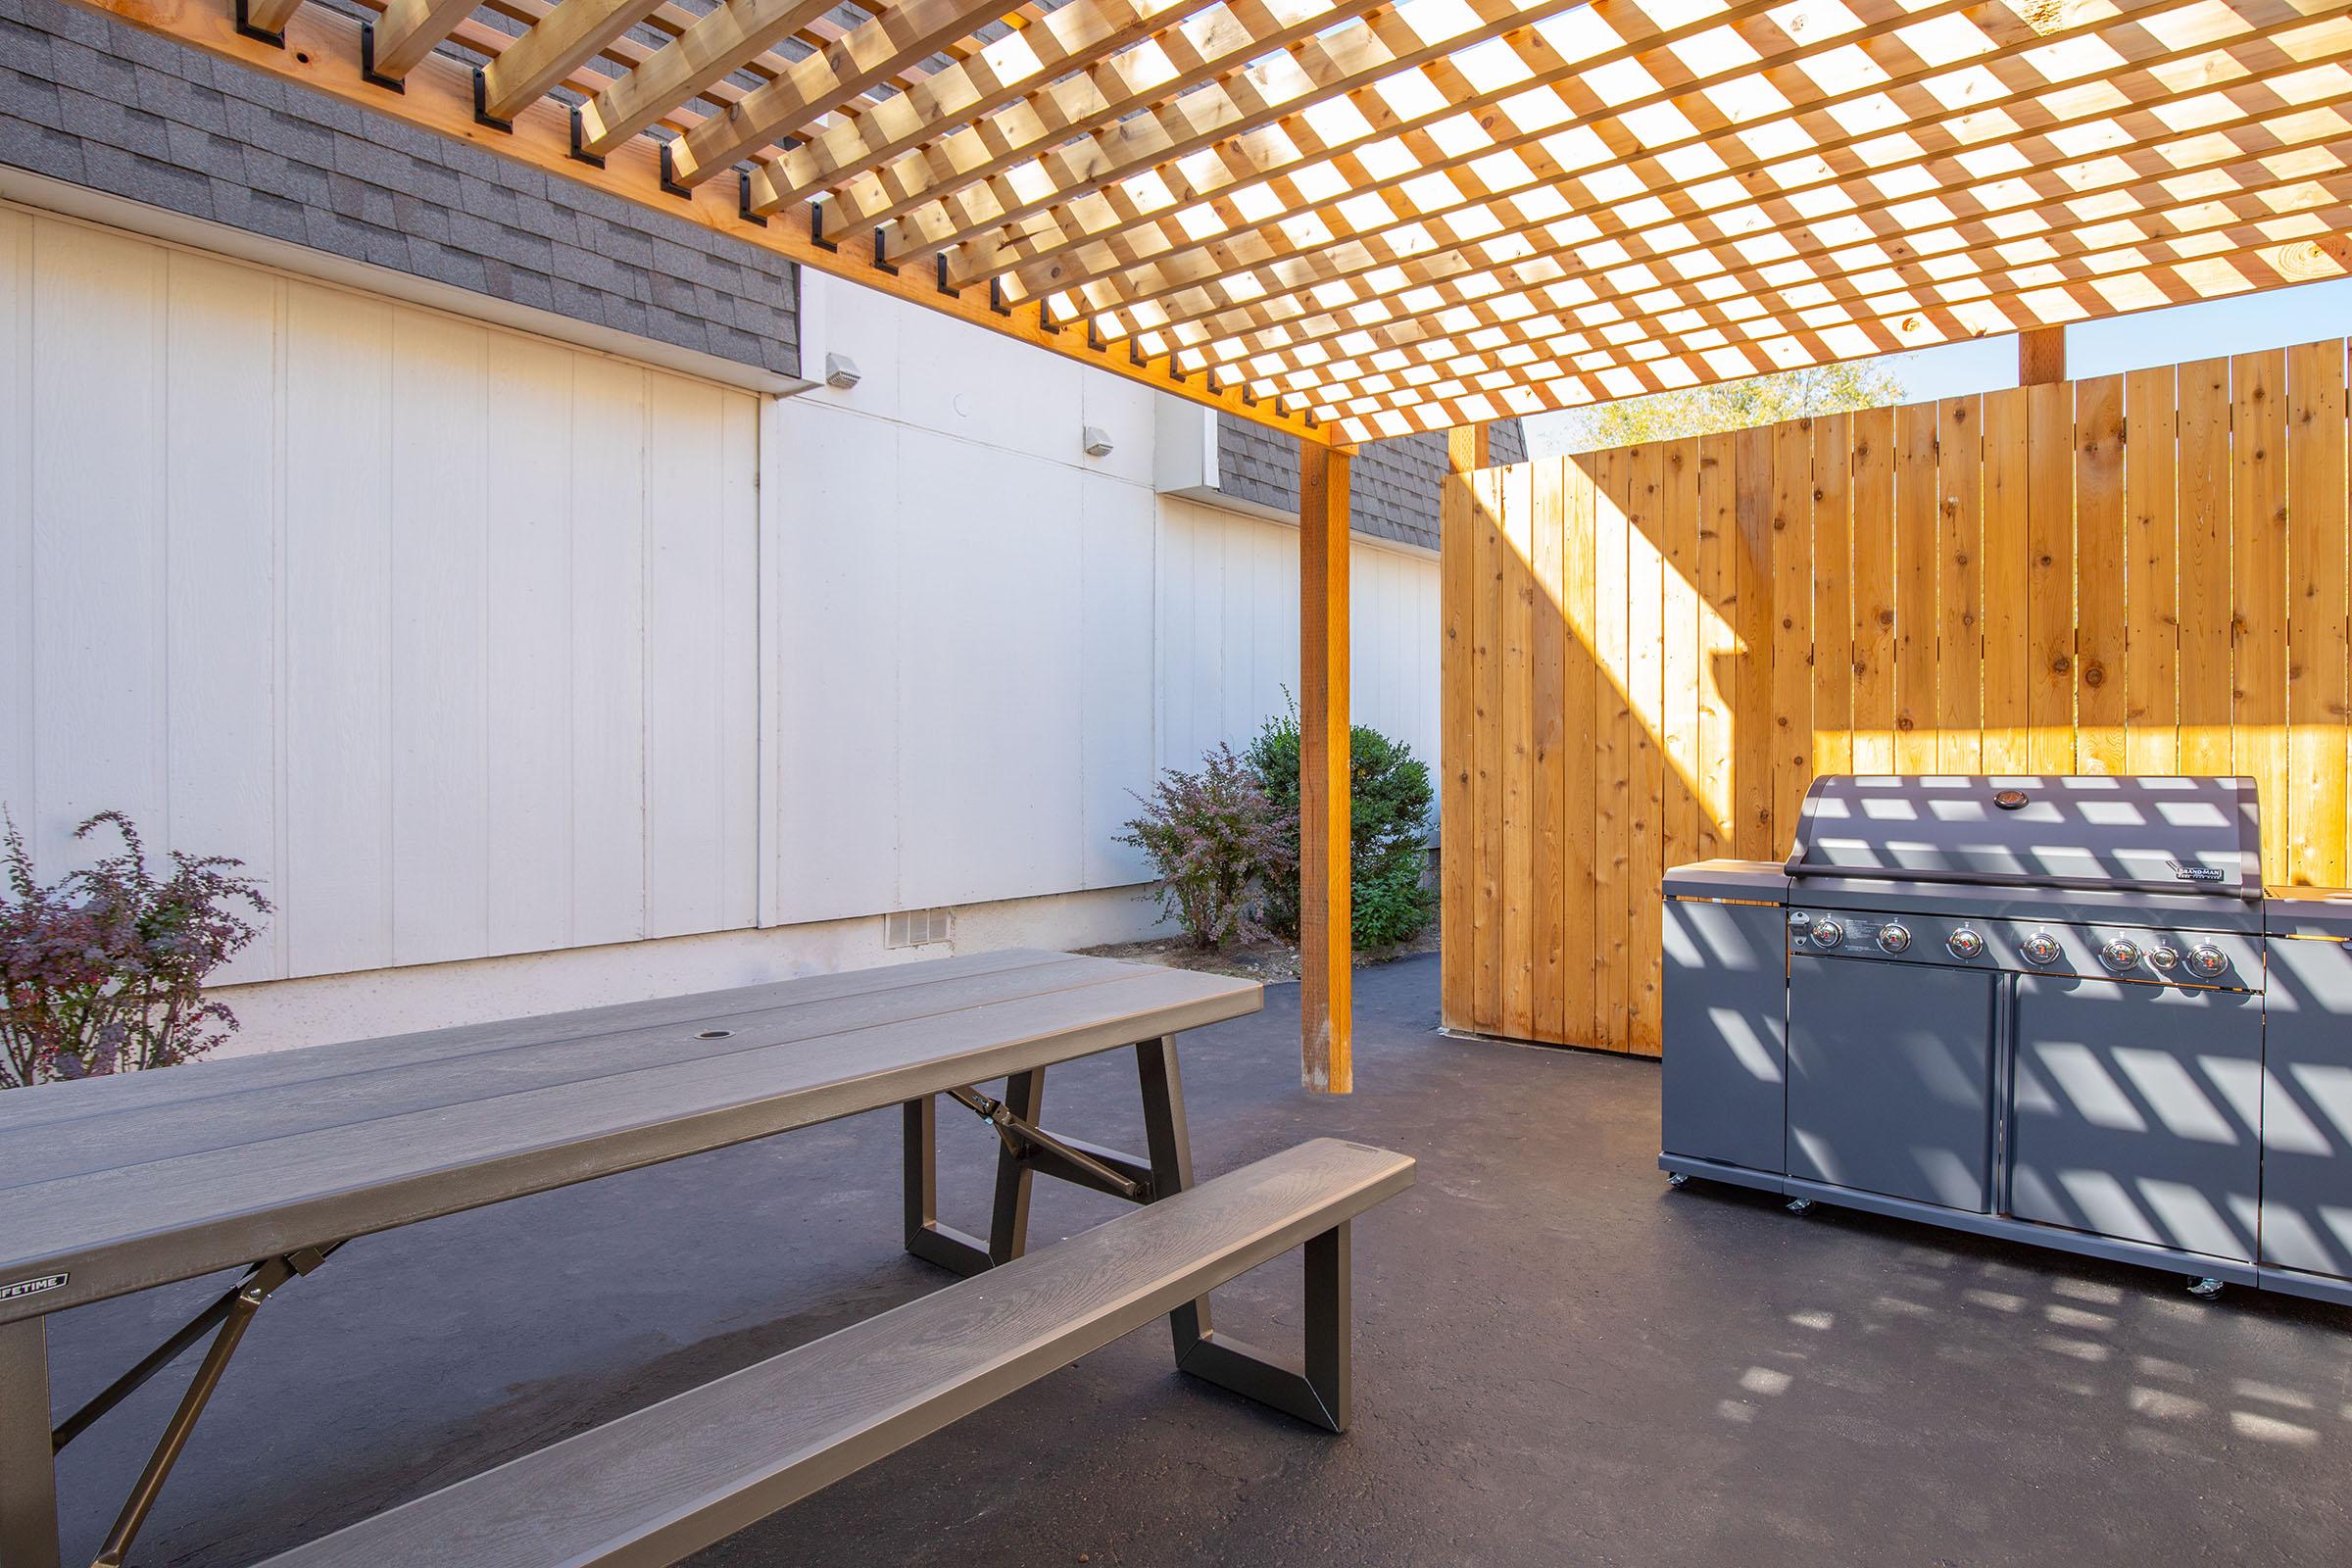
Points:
(1486, 526)
(2205, 591)
(528, 556)
(17, 695)
(1581, 684)
(1960, 585)
(2317, 690)
(1835, 661)
(1916, 563)
(1518, 752)
(1550, 930)
(1613, 766)
(1457, 804)
(2151, 590)
(2258, 585)
(98, 513)
(440, 674)
(2008, 634)
(607, 521)
(1680, 522)
(1719, 653)
(686, 522)
(742, 670)
(340, 484)
(1645, 666)
(2050, 577)
(2102, 550)
(1755, 732)
(1791, 710)
(1874, 590)
(221, 670)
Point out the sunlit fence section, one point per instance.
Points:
(1650, 652)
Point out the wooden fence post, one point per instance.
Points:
(2041, 355)
(1466, 450)
(1326, 953)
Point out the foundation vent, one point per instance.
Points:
(915, 928)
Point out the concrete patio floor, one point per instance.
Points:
(1559, 1360)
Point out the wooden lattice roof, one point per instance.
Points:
(1355, 219)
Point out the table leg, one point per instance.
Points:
(27, 1463)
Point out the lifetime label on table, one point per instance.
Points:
(35, 1286)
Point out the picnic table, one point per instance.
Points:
(273, 1162)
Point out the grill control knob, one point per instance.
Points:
(2041, 947)
(2119, 953)
(1894, 938)
(2207, 959)
(1964, 944)
(2165, 957)
(1827, 933)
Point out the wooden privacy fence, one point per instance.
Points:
(1650, 652)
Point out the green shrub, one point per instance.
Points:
(1388, 827)
(1213, 838)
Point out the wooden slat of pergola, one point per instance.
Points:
(1351, 218)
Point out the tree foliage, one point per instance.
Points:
(1388, 801)
(1735, 405)
(1214, 841)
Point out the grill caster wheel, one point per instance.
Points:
(2205, 1289)
(1679, 1179)
(1800, 1205)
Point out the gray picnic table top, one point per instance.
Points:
(119, 1184)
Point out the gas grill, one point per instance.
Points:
(2032, 1008)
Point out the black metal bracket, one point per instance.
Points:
(367, 71)
(578, 151)
(226, 1319)
(743, 199)
(881, 259)
(481, 115)
(669, 181)
(275, 41)
(816, 231)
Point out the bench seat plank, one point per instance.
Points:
(656, 1485)
(185, 1176)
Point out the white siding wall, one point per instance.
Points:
(449, 632)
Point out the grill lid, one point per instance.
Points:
(2175, 835)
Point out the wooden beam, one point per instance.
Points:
(558, 44)
(2041, 355)
(322, 53)
(722, 42)
(408, 31)
(1325, 949)
(1467, 449)
(870, 54)
(270, 16)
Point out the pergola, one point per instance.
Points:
(1351, 219)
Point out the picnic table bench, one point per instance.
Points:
(121, 1184)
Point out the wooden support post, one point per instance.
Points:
(2041, 355)
(1326, 953)
(1466, 450)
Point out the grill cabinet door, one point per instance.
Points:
(2137, 1112)
(2307, 1108)
(1891, 1079)
(1721, 1091)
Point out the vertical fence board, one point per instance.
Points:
(1960, 585)
(2008, 639)
(2050, 577)
(2258, 565)
(1644, 666)
(2204, 486)
(1485, 1002)
(1916, 563)
(2152, 607)
(1873, 596)
(2101, 548)
(1549, 928)
(1793, 618)
(1718, 611)
(1832, 491)
(1581, 684)
(1458, 830)
(1754, 739)
(1613, 904)
(2317, 690)
(1679, 524)
(1518, 752)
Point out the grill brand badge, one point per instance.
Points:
(2194, 873)
(35, 1286)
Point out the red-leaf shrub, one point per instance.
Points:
(1213, 838)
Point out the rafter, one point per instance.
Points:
(722, 42)
(560, 42)
(871, 53)
(410, 31)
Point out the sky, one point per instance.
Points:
(2266, 320)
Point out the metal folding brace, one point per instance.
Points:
(226, 1320)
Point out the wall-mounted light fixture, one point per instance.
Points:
(841, 371)
(1096, 441)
